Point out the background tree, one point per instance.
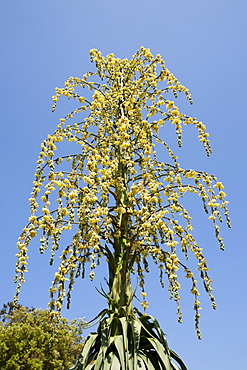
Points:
(36, 339)
(123, 204)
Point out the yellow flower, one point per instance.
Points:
(212, 217)
(189, 227)
(195, 291)
(219, 185)
(144, 305)
(189, 274)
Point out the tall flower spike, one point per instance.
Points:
(114, 194)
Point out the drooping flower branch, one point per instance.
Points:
(120, 201)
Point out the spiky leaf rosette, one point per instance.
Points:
(125, 342)
(120, 201)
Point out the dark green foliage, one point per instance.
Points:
(33, 339)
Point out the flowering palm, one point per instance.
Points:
(122, 204)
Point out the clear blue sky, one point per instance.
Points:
(204, 45)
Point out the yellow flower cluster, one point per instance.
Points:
(114, 194)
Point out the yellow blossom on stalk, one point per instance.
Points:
(114, 196)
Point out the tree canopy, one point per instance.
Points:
(32, 339)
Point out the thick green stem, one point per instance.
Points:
(120, 295)
(120, 287)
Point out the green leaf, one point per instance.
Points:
(131, 363)
(107, 362)
(104, 333)
(164, 356)
(124, 323)
(115, 365)
(175, 366)
(153, 360)
(141, 363)
(97, 318)
(89, 366)
(86, 349)
(178, 359)
(136, 330)
(118, 340)
(160, 332)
